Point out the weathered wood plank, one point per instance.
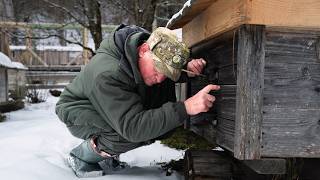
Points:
(209, 164)
(285, 13)
(212, 164)
(3, 84)
(222, 16)
(225, 133)
(292, 85)
(191, 11)
(267, 166)
(225, 107)
(221, 68)
(291, 95)
(250, 63)
(290, 132)
(208, 131)
(218, 18)
(223, 112)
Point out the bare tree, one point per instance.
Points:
(86, 13)
(141, 11)
(6, 14)
(92, 13)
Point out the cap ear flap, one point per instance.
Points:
(153, 41)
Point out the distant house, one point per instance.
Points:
(17, 79)
(12, 76)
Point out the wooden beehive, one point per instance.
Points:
(266, 57)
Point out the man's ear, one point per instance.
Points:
(143, 48)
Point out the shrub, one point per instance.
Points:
(37, 95)
(19, 93)
(2, 117)
(11, 106)
(55, 93)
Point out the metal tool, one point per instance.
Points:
(202, 75)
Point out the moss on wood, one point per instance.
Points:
(185, 139)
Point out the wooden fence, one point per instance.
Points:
(49, 57)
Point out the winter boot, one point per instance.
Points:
(83, 160)
(112, 165)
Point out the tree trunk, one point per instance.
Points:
(94, 19)
(144, 13)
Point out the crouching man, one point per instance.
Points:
(125, 98)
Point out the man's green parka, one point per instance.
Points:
(109, 99)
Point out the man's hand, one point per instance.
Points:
(196, 66)
(202, 101)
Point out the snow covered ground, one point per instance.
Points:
(34, 144)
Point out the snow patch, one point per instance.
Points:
(34, 144)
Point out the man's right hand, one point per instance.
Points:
(202, 101)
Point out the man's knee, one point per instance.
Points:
(114, 144)
(84, 132)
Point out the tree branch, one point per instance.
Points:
(66, 11)
(49, 36)
(118, 3)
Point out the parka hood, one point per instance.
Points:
(123, 43)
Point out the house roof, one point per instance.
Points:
(189, 10)
(6, 62)
(19, 65)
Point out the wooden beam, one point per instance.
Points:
(186, 15)
(220, 17)
(223, 16)
(208, 164)
(74, 60)
(37, 57)
(107, 28)
(291, 110)
(29, 38)
(45, 86)
(287, 13)
(267, 166)
(249, 103)
(85, 34)
(75, 68)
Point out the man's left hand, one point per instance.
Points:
(196, 66)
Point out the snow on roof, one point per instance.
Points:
(179, 14)
(189, 11)
(53, 48)
(5, 61)
(19, 65)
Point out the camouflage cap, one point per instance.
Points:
(169, 54)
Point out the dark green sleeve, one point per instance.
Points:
(122, 108)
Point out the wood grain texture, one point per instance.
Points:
(197, 6)
(209, 165)
(3, 84)
(291, 125)
(250, 63)
(222, 16)
(220, 69)
(267, 166)
(285, 13)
